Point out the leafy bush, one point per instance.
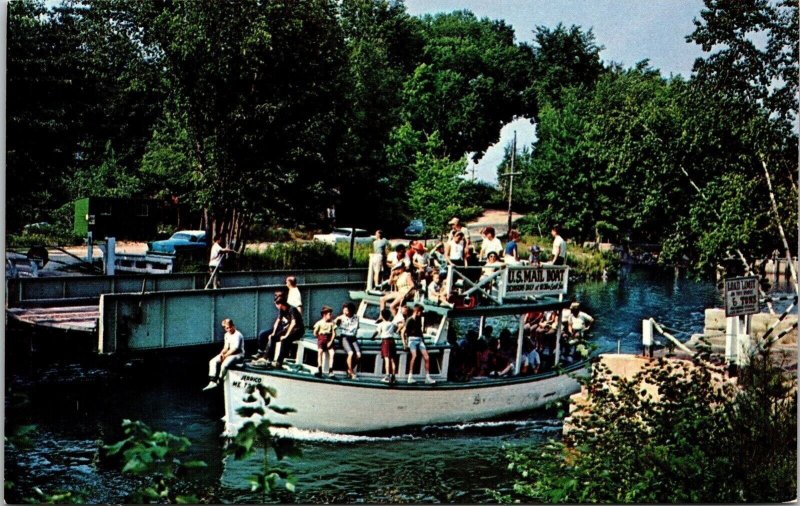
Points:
(255, 434)
(156, 455)
(699, 442)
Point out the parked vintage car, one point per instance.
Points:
(416, 228)
(343, 235)
(189, 241)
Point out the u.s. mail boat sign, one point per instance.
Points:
(536, 281)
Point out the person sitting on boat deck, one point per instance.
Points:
(293, 297)
(385, 330)
(325, 331)
(533, 258)
(578, 323)
(232, 352)
(500, 359)
(482, 357)
(559, 246)
(436, 289)
(420, 260)
(347, 323)
(469, 347)
(544, 333)
(472, 261)
(490, 243)
(378, 261)
(398, 255)
(492, 265)
(511, 254)
(531, 361)
(403, 284)
(438, 259)
(457, 368)
(278, 327)
(288, 328)
(456, 250)
(412, 340)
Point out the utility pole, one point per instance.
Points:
(511, 175)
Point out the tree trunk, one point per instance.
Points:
(780, 226)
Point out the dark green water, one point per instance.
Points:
(74, 406)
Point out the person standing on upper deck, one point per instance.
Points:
(559, 247)
(455, 251)
(379, 246)
(232, 351)
(412, 340)
(347, 322)
(490, 244)
(293, 296)
(456, 227)
(512, 250)
(218, 252)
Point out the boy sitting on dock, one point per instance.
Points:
(325, 330)
(385, 331)
(232, 351)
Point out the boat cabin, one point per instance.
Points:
(510, 291)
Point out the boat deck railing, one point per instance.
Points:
(498, 282)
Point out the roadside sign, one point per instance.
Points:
(741, 296)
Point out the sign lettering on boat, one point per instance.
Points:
(741, 296)
(525, 280)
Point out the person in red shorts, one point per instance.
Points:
(386, 330)
(325, 330)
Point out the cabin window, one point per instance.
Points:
(372, 312)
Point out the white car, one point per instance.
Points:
(343, 235)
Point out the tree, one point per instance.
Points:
(471, 80)
(264, 129)
(438, 190)
(564, 58)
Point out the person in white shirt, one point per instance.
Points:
(232, 351)
(578, 322)
(386, 330)
(218, 252)
(294, 298)
(490, 244)
(559, 247)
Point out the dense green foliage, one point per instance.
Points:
(700, 442)
(269, 113)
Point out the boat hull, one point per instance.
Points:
(348, 406)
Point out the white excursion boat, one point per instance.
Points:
(365, 404)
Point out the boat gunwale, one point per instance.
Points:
(440, 385)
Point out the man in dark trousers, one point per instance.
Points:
(287, 329)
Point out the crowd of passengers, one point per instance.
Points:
(411, 272)
(475, 356)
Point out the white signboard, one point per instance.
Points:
(741, 296)
(524, 280)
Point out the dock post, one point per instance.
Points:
(110, 256)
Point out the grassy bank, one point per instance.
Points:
(584, 263)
